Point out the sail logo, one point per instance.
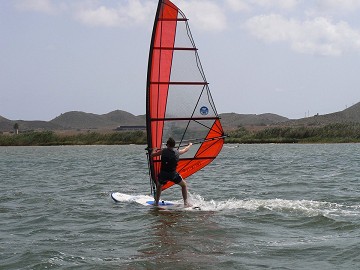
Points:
(193, 167)
(204, 110)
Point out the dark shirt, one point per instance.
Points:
(169, 159)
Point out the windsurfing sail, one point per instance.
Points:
(178, 99)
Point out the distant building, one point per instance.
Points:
(122, 128)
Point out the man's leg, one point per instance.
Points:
(184, 191)
(158, 193)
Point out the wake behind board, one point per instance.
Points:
(149, 201)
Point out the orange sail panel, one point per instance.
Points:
(178, 99)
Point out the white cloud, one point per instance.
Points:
(238, 5)
(317, 36)
(335, 5)
(204, 14)
(283, 4)
(44, 6)
(247, 5)
(99, 16)
(134, 12)
(334, 8)
(209, 15)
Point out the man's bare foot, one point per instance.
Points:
(187, 204)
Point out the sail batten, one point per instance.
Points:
(181, 83)
(190, 159)
(178, 99)
(173, 20)
(176, 48)
(184, 118)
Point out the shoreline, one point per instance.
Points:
(48, 138)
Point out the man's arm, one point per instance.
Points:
(184, 150)
(156, 152)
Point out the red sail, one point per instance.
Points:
(178, 99)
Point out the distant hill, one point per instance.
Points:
(8, 125)
(76, 120)
(36, 125)
(3, 119)
(82, 120)
(124, 118)
(5, 124)
(349, 115)
(87, 121)
(234, 120)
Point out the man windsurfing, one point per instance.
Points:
(169, 161)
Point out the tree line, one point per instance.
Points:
(48, 138)
(332, 133)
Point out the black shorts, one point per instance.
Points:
(164, 177)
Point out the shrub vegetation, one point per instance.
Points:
(332, 133)
(93, 138)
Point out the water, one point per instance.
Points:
(263, 207)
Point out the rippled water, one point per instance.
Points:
(263, 207)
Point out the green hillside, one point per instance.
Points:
(76, 120)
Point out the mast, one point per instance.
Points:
(148, 117)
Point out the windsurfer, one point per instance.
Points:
(169, 161)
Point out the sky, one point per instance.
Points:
(295, 58)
